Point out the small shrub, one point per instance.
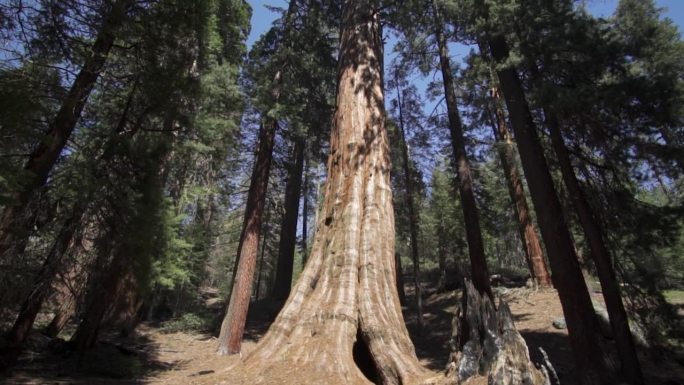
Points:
(189, 322)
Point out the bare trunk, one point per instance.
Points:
(441, 256)
(288, 229)
(262, 255)
(413, 214)
(346, 298)
(42, 287)
(14, 221)
(230, 338)
(101, 298)
(631, 369)
(400, 279)
(305, 210)
(531, 246)
(233, 325)
(567, 276)
(478, 261)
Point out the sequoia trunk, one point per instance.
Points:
(567, 276)
(346, 297)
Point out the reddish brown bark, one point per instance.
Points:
(230, 338)
(478, 261)
(531, 245)
(14, 223)
(567, 276)
(619, 322)
(288, 228)
(346, 296)
(233, 325)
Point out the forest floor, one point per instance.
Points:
(153, 357)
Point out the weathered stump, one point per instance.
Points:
(485, 343)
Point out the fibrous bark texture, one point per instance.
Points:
(486, 343)
(346, 297)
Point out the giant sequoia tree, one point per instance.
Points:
(346, 297)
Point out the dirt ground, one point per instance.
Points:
(152, 357)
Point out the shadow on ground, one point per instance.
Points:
(114, 359)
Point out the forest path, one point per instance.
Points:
(153, 357)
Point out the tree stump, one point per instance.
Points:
(485, 343)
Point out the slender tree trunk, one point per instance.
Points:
(14, 221)
(400, 279)
(631, 369)
(305, 210)
(413, 214)
(442, 256)
(42, 287)
(262, 255)
(230, 338)
(478, 261)
(288, 229)
(531, 245)
(567, 276)
(233, 325)
(346, 297)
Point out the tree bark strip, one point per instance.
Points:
(413, 213)
(531, 244)
(233, 325)
(567, 276)
(619, 322)
(288, 228)
(305, 210)
(14, 220)
(478, 261)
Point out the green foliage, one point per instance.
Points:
(188, 322)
